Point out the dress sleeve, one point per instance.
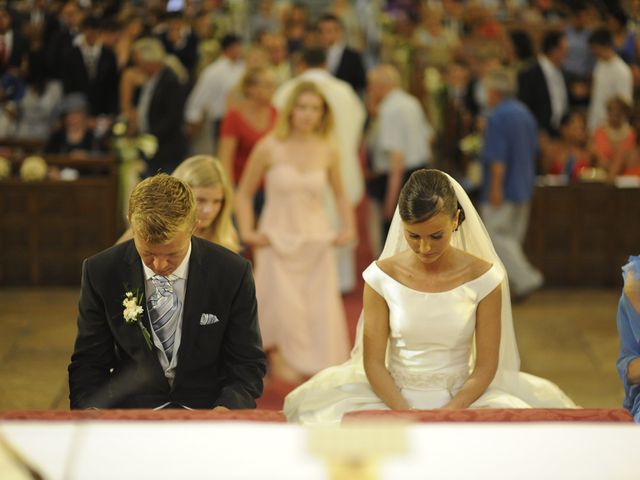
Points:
(488, 281)
(373, 277)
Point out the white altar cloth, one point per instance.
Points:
(250, 450)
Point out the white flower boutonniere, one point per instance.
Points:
(133, 311)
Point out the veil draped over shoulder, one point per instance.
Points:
(343, 388)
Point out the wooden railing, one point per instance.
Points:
(581, 235)
(48, 227)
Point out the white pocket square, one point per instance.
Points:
(208, 319)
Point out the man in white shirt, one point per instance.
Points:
(402, 142)
(349, 116)
(166, 319)
(611, 77)
(207, 101)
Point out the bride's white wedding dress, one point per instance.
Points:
(430, 352)
(431, 337)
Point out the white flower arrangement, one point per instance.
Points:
(133, 153)
(5, 168)
(147, 144)
(33, 169)
(133, 311)
(471, 144)
(130, 148)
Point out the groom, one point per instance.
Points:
(166, 320)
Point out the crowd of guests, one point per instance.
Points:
(571, 60)
(308, 110)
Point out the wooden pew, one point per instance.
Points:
(48, 227)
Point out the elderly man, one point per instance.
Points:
(509, 156)
(166, 320)
(160, 106)
(401, 142)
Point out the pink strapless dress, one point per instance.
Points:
(300, 309)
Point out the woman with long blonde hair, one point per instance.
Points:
(214, 197)
(300, 310)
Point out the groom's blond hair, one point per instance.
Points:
(161, 206)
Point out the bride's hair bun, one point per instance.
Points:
(427, 193)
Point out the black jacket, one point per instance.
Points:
(101, 90)
(534, 93)
(218, 364)
(351, 69)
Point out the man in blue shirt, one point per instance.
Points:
(509, 158)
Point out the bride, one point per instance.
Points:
(436, 330)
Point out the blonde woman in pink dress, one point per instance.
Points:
(300, 310)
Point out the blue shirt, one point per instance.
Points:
(511, 138)
(629, 330)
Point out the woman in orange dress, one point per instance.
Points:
(569, 155)
(615, 137)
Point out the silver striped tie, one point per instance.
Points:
(163, 305)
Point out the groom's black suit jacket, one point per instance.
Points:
(218, 364)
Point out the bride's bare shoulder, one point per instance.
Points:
(391, 264)
(475, 265)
